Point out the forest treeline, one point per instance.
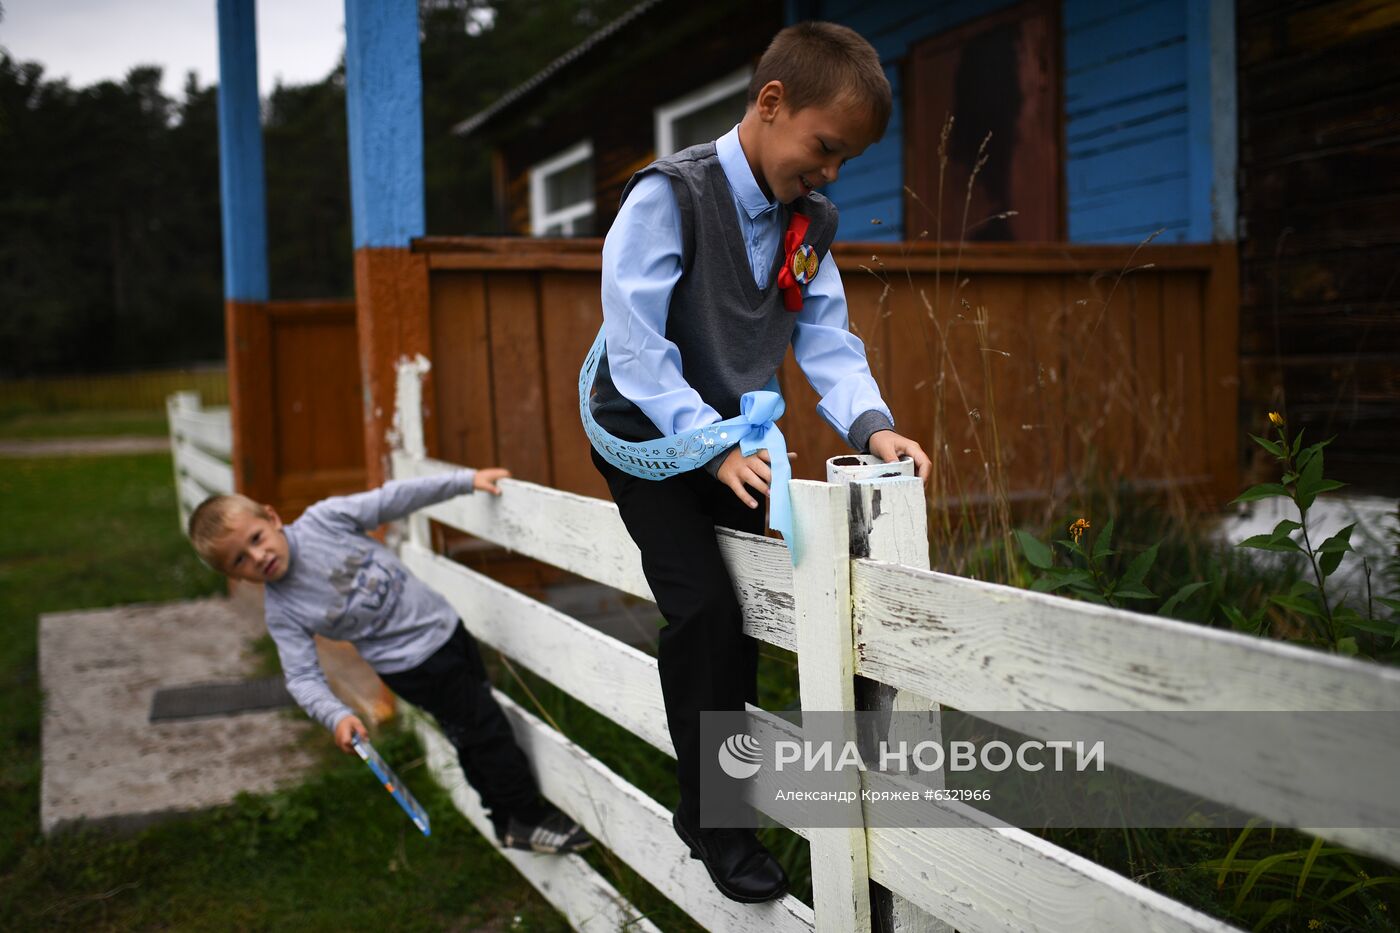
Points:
(110, 254)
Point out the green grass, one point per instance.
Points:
(38, 425)
(333, 854)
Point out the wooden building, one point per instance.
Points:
(1109, 123)
(566, 141)
(1104, 131)
(1047, 343)
(1319, 89)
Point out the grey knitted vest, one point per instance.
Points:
(732, 336)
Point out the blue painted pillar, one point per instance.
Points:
(384, 111)
(1212, 120)
(242, 191)
(243, 208)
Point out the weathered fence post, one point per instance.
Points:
(408, 432)
(821, 587)
(889, 522)
(175, 403)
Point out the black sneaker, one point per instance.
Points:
(553, 834)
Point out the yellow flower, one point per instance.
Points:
(1314, 924)
(1076, 530)
(1276, 419)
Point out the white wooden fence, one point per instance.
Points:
(861, 601)
(201, 445)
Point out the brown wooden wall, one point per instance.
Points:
(1319, 97)
(294, 393)
(1075, 364)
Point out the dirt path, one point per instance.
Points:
(82, 446)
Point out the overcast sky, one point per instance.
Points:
(299, 41)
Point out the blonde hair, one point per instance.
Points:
(209, 522)
(825, 63)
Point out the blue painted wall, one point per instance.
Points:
(1143, 119)
(384, 119)
(1126, 114)
(242, 191)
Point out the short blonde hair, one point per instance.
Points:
(209, 522)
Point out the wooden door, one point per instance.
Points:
(998, 74)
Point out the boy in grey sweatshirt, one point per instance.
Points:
(324, 575)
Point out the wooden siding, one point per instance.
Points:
(1320, 209)
(1125, 93)
(612, 101)
(1144, 386)
(1126, 104)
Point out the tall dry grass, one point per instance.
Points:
(143, 391)
(1101, 426)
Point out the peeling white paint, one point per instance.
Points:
(406, 432)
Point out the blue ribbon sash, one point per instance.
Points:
(753, 430)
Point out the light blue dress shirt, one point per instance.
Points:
(641, 265)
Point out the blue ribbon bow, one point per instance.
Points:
(754, 429)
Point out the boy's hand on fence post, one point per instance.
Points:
(889, 447)
(486, 479)
(346, 729)
(737, 471)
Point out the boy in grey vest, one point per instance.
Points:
(702, 294)
(324, 575)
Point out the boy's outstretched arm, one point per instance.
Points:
(398, 498)
(833, 360)
(306, 682)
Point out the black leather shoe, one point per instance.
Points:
(738, 864)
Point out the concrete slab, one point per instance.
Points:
(104, 763)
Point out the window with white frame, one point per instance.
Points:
(702, 115)
(561, 193)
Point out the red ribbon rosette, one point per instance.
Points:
(799, 262)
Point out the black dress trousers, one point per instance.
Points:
(453, 686)
(706, 660)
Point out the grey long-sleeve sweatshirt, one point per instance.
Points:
(343, 584)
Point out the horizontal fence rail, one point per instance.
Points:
(980, 646)
(585, 536)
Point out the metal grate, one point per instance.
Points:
(206, 700)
